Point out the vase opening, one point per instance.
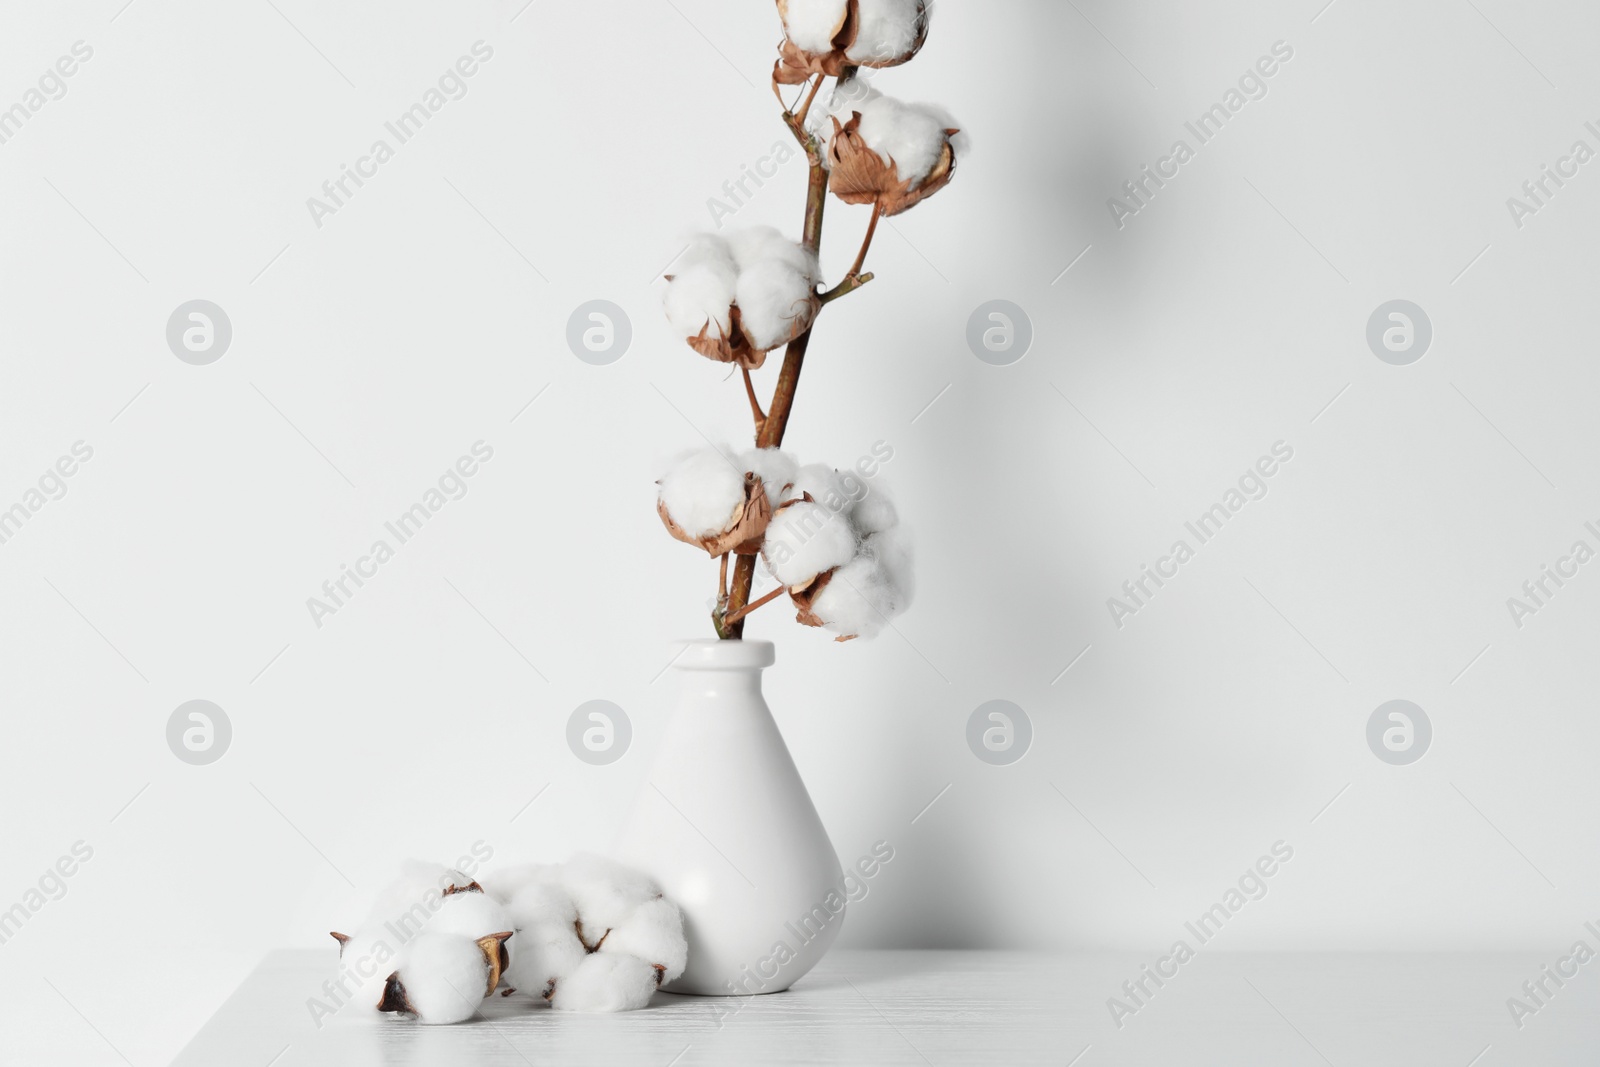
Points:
(711, 654)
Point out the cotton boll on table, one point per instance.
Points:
(593, 934)
(444, 977)
(605, 982)
(548, 946)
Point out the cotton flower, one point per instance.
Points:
(707, 500)
(592, 934)
(890, 153)
(825, 36)
(653, 932)
(858, 597)
(604, 982)
(366, 959)
(425, 900)
(805, 539)
(444, 977)
(548, 946)
(734, 299)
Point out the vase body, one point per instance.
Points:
(724, 823)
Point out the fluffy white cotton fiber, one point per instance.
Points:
(893, 551)
(508, 881)
(653, 933)
(770, 278)
(825, 486)
(547, 946)
(426, 901)
(406, 896)
(810, 24)
(911, 135)
(805, 539)
(875, 512)
(775, 284)
(366, 960)
(441, 972)
(471, 914)
(776, 469)
(444, 977)
(772, 297)
(702, 490)
(888, 30)
(753, 245)
(606, 982)
(702, 289)
(859, 600)
(566, 915)
(873, 579)
(605, 892)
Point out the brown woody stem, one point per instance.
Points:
(805, 109)
(755, 405)
(866, 242)
(730, 624)
(735, 616)
(846, 287)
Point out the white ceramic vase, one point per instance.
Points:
(726, 826)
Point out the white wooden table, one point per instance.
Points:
(936, 1007)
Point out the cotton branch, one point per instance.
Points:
(734, 617)
(730, 625)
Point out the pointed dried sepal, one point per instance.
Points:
(470, 887)
(737, 348)
(747, 525)
(343, 939)
(733, 348)
(795, 65)
(394, 996)
(859, 175)
(805, 596)
(494, 951)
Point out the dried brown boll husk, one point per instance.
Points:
(747, 524)
(803, 597)
(859, 175)
(796, 64)
(736, 347)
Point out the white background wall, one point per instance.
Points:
(371, 352)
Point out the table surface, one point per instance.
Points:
(946, 1007)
